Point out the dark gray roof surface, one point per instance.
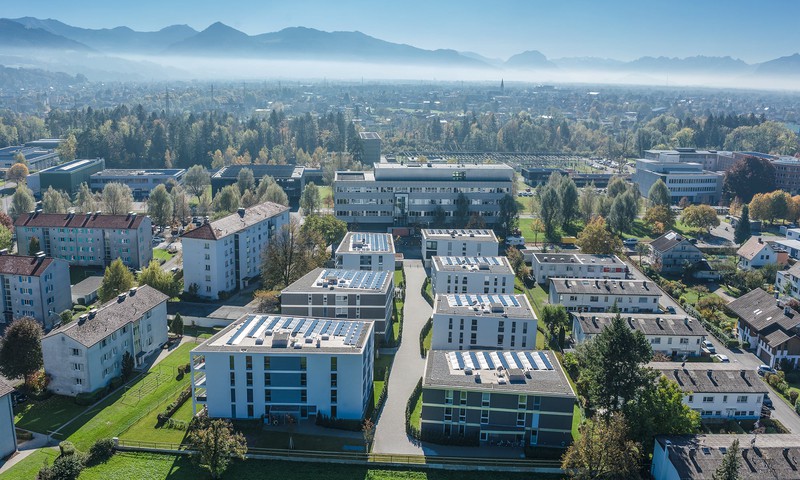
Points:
(79, 220)
(667, 241)
(604, 286)
(711, 377)
(234, 222)
(760, 310)
(648, 324)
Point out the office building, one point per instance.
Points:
(350, 294)
(36, 157)
(521, 397)
(576, 265)
(226, 254)
(90, 239)
(706, 158)
(366, 251)
(458, 243)
(140, 181)
(372, 147)
(483, 322)
(285, 368)
(717, 390)
(687, 180)
(399, 195)
(69, 176)
(291, 178)
(586, 295)
(673, 335)
(86, 354)
(471, 275)
(34, 286)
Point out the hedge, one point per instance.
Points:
(173, 407)
(423, 352)
(90, 398)
(412, 430)
(424, 291)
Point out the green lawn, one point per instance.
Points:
(398, 277)
(47, 415)
(426, 342)
(577, 419)
(162, 254)
(377, 388)
(123, 409)
(200, 332)
(381, 363)
(328, 443)
(77, 274)
(416, 414)
(28, 467)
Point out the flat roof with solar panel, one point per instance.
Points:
(523, 371)
(366, 242)
(291, 335)
(342, 280)
(472, 264)
(482, 234)
(484, 305)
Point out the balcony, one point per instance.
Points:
(199, 381)
(200, 396)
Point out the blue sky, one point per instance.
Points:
(751, 30)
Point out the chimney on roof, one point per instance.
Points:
(786, 310)
(4, 251)
(92, 313)
(760, 240)
(121, 297)
(241, 212)
(40, 257)
(132, 291)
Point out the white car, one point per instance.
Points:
(709, 346)
(515, 241)
(721, 358)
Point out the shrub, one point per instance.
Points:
(793, 396)
(173, 407)
(782, 387)
(732, 343)
(66, 448)
(797, 407)
(116, 382)
(571, 364)
(80, 308)
(101, 451)
(338, 423)
(67, 467)
(91, 397)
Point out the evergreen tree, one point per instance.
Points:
(33, 246)
(550, 212)
(729, 468)
(742, 232)
(127, 365)
(568, 194)
(659, 194)
(176, 326)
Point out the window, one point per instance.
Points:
(485, 397)
(249, 379)
(249, 395)
(76, 352)
(231, 361)
(233, 379)
(484, 417)
(741, 399)
(303, 363)
(448, 397)
(448, 414)
(267, 379)
(250, 411)
(521, 419)
(268, 395)
(78, 381)
(708, 399)
(334, 396)
(233, 395)
(248, 362)
(266, 363)
(334, 380)
(303, 380)
(463, 398)
(684, 341)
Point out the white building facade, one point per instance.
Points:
(575, 265)
(458, 243)
(672, 335)
(34, 286)
(366, 251)
(471, 275)
(586, 295)
(224, 255)
(470, 322)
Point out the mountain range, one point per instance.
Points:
(300, 43)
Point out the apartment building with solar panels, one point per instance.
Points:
(488, 397)
(351, 294)
(483, 322)
(285, 368)
(446, 242)
(471, 275)
(366, 251)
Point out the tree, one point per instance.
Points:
(568, 194)
(117, 279)
(21, 349)
(55, 201)
(461, 213)
(596, 238)
(85, 200)
(728, 469)
(275, 194)
(216, 444)
(127, 365)
(33, 246)
(227, 200)
(159, 206)
(642, 249)
(5, 237)
(557, 320)
(22, 201)
(616, 186)
(196, 180)
(6, 221)
(508, 217)
(660, 410)
(623, 212)
(550, 212)
(603, 451)
(701, 217)
(310, 200)
(117, 198)
(749, 176)
(779, 202)
(268, 301)
(176, 325)
(180, 204)
(587, 203)
(659, 194)
(165, 282)
(613, 366)
(65, 467)
(285, 259)
(659, 218)
(18, 173)
(761, 207)
(245, 180)
(19, 157)
(68, 148)
(330, 228)
(65, 316)
(517, 262)
(368, 430)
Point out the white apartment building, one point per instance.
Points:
(545, 266)
(789, 277)
(34, 286)
(470, 322)
(8, 434)
(717, 390)
(91, 239)
(585, 295)
(403, 194)
(471, 275)
(673, 335)
(86, 354)
(366, 251)
(282, 367)
(225, 254)
(458, 243)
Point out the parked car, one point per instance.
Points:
(768, 401)
(721, 358)
(671, 309)
(765, 369)
(630, 242)
(709, 346)
(18, 397)
(515, 241)
(157, 240)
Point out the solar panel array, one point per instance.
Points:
(471, 260)
(258, 326)
(357, 279)
(370, 242)
(492, 360)
(472, 300)
(459, 232)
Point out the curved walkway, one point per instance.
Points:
(408, 366)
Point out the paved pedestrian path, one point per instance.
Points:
(390, 432)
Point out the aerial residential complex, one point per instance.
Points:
(226, 254)
(471, 275)
(469, 322)
(576, 265)
(490, 396)
(350, 294)
(458, 243)
(140, 181)
(283, 367)
(586, 295)
(768, 326)
(86, 354)
(397, 195)
(366, 251)
(673, 335)
(34, 286)
(91, 239)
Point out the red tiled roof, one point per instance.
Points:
(23, 265)
(79, 220)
